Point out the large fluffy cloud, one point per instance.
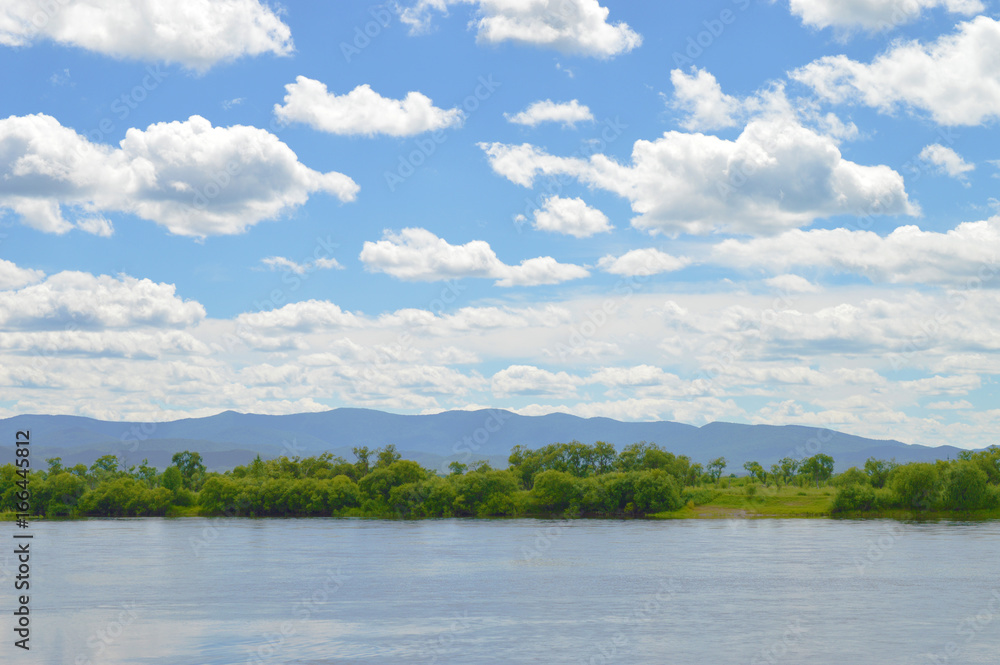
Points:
(571, 26)
(196, 33)
(776, 175)
(570, 216)
(362, 111)
(12, 276)
(191, 177)
(699, 94)
(80, 301)
(955, 78)
(906, 255)
(873, 14)
(419, 255)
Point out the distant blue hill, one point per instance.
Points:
(231, 438)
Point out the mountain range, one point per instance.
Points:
(229, 438)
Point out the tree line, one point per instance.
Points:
(561, 478)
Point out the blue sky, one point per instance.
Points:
(764, 212)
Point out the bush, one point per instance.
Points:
(965, 487)
(915, 485)
(698, 495)
(656, 491)
(856, 498)
(555, 491)
(853, 476)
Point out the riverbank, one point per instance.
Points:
(798, 502)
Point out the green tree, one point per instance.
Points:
(716, 467)
(172, 478)
(788, 467)
(878, 471)
(756, 471)
(191, 467)
(55, 465)
(819, 467)
(966, 486)
(362, 454)
(915, 484)
(457, 468)
(379, 482)
(555, 491)
(656, 491)
(853, 476)
(386, 456)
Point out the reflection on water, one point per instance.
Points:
(214, 591)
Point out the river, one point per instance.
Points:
(318, 591)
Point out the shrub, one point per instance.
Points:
(555, 491)
(656, 491)
(965, 487)
(915, 484)
(853, 476)
(855, 497)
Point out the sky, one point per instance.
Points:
(769, 212)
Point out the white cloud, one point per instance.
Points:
(955, 78)
(13, 276)
(362, 111)
(568, 113)
(301, 316)
(776, 175)
(530, 380)
(190, 177)
(288, 265)
(81, 301)
(908, 254)
(570, 216)
(571, 26)
(873, 14)
(700, 96)
(419, 255)
(947, 160)
(146, 344)
(195, 33)
(791, 284)
(949, 406)
(642, 262)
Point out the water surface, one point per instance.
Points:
(317, 591)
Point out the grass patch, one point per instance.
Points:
(766, 502)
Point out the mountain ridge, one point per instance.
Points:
(229, 438)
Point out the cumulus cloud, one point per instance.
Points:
(419, 255)
(908, 254)
(776, 175)
(81, 301)
(788, 283)
(190, 177)
(577, 27)
(946, 160)
(195, 33)
(570, 216)
(301, 316)
(147, 344)
(530, 380)
(13, 276)
(642, 262)
(700, 96)
(873, 14)
(362, 111)
(954, 79)
(568, 113)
